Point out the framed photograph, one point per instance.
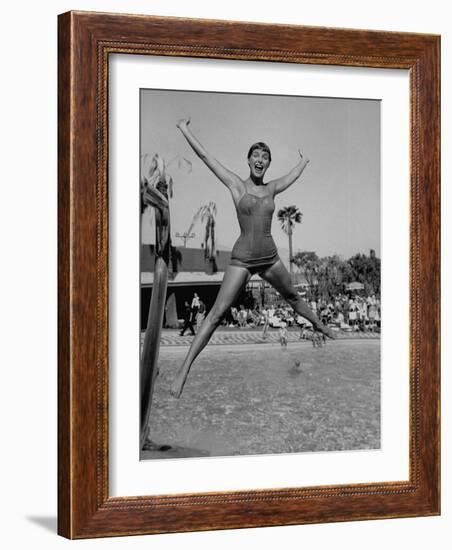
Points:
(248, 275)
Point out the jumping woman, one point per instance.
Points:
(255, 250)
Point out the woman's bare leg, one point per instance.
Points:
(234, 280)
(278, 276)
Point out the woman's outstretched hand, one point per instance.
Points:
(303, 158)
(183, 122)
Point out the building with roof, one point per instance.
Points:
(190, 273)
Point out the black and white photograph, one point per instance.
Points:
(221, 293)
(260, 274)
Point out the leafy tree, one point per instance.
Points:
(333, 273)
(325, 276)
(367, 270)
(309, 264)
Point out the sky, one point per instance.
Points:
(338, 193)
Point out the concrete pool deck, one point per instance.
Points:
(224, 336)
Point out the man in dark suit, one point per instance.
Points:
(188, 319)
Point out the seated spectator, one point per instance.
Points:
(242, 316)
(339, 321)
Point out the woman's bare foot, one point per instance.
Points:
(324, 329)
(177, 386)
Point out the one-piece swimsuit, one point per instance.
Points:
(255, 249)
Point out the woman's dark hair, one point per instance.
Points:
(260, 145)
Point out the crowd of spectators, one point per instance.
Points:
(349, 313)
(344, 312)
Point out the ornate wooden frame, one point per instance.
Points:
(85, 42)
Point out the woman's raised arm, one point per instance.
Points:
(281, 184)
(231, 180)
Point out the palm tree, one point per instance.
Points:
(207, 215)
(288, 217)
(156, 190)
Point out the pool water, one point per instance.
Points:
(248, 400)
